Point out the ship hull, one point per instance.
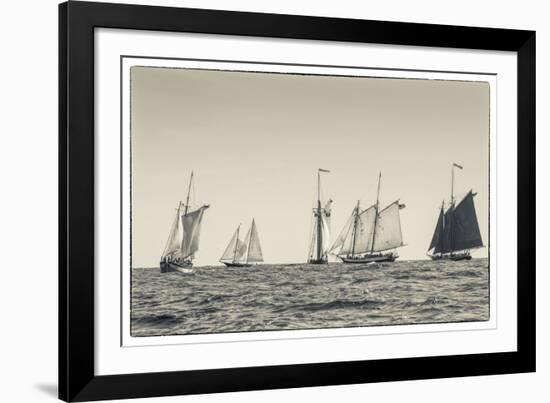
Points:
(453, 257)
(317, 261)
(236, 264)
(378, 258)
(181, 267)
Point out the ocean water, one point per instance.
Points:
(302, 296)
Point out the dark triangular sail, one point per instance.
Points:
(437, 236)
(447, 236)
(457, 229)
(466, 233)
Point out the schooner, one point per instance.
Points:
(369, 234)
(245, 253)
(183, 240)
(320, 237)
(457, 229)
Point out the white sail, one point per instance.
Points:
(325, 229)
(254, 254)
(230, 250)
(356, 238)
(239, 254)
(320, 237)
(191, 231)
(348, 241)
(325, 233)
(311, 250)
(340, 240)
(174, 238)
(249, 250)
(388, 229)
(364, 231)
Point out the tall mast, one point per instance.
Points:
(441, 231)
(173, 227)
(452, 184)
(319, 218)
(355, 228)
(376, 212)
(236, 244)
(319, 215)
(451, 210)
(188, 192)
(249, 240)
(178, 218)
(319, 186)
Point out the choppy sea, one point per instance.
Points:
(266, 297)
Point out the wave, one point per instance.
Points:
(429, 312)
(214, 298)
(160, 319)
(277, 297)
(336, 304)
(464, 273)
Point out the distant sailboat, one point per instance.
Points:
(245, 253)
(183, 240)
(318, 249)
(457, 229)
(369, 233)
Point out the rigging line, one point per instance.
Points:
(350, 227)
(356, 219)
(376, 212)
(188, 191)
(236, 244)
(311, 237)
(321, 193)
(172, 229)
(249, 240)
(312, 225)
(194, 198)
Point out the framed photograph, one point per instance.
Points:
(259, 201)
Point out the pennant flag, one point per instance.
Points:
(323, 170)
(458, 166)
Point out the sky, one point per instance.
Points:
(256, 140)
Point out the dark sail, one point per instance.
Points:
(436, 239)
(447, 237)
(466, 233)
(457, 229)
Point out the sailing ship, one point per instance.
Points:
(320, 238)
(370, 235)
(245, 253)
(183, 239)
(457, 230)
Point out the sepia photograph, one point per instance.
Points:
(268, 201)
(257, 200)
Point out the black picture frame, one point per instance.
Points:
(77, 21)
